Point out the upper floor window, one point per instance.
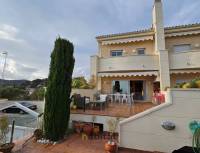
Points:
(141, 51)
(182, 48)
(116, 53)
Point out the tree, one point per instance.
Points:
(38, 94)
(57, 106)
(80, 83)
(13, 93)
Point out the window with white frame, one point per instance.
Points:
(114, 53)
(182, 48)
(141, 51)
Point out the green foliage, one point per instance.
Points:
(195, 83)
(4, 129)
(196, 141)
(38, 94)
(13, 93)
(80, 83)
(57, 106)
(195, 129)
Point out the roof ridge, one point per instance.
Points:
(183, 25)
(123, 33)
(148, 30)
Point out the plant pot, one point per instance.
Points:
(38, 134)
(96, 130)
(87, 129)
(110, 148)
(7, 147)
(78, 127)
(185, 149)
(74, 107)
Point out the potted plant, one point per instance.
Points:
(87, 129)
(5, 146)
(78, 126)
(195, 129)
(38, 134)
(111, 145)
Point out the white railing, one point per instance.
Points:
(20, 133)
(182, 60)
(125, 63)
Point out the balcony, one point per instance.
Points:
(128, 63)
(185, 60)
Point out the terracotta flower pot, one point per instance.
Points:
(87, 129)
(7, 147)
(78, 127)
(110, 148)
(38, 134)
(96, 130)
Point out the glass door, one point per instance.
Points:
(121, 86)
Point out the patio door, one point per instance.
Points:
(138, 87)
(121, 86)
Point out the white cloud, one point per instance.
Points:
(9, 32)
(81, 71)
(17, 70)
(186, 14)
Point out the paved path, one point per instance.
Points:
(73, 144)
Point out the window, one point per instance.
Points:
(141, 51)
(116, 53)
(182, 48)
(121, 86)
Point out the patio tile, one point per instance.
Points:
(118, 110)
(74, 144)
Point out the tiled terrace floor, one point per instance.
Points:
(73, 144)
(118, 110)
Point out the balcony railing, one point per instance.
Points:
(127, 63)
(185, 60)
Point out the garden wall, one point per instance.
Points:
(85, 92)
(143, 131)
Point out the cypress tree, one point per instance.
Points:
(57, 105)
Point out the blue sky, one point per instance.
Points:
(28, 28)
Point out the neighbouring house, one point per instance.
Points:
(149, 60)
(143, 62)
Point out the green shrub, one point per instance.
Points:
(4, 129)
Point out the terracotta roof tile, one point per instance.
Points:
(148, 30)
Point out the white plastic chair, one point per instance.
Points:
(124, 98)
(103, 97)
(117, 97)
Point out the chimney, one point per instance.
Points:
(158, 25)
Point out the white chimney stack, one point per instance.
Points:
(158, 25)
(160, 49)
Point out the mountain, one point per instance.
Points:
(12, 82)
(24, 83)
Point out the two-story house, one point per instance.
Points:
(147, 60)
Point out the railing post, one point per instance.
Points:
(12, 131)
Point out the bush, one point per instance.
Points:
(195, 83)
(4, 129)
(38, 94)
(13, 93)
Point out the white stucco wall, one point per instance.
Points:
(144, 131)
(129, 63)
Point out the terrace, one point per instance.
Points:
(73, 144)
(117, 109)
